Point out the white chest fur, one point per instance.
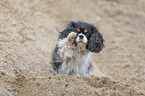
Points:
(75, 60)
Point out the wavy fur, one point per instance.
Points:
(74, 56)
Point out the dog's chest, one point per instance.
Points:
(77, 64)
(77, 60)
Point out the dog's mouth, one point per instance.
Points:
(81, 41)
(81, 46)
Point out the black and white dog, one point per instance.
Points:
(73, 52)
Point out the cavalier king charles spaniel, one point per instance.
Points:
(74, 48)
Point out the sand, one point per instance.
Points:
(28, 33)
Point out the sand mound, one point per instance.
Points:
(28, 34)
(64, 85)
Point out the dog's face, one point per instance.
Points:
(87, 34)
(82, 35)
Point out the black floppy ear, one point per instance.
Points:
(96, 40)
(70, 27)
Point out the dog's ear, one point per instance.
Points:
(96, 40)
(70, 27)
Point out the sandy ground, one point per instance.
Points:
(28, 34)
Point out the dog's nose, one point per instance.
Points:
(81, 36)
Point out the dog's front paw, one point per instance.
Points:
(72, 36)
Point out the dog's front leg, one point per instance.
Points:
(66, 46)
(71, 37)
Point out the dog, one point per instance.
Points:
(75, 45)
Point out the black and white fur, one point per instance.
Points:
(75, 45)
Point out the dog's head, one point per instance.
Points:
(86, 33)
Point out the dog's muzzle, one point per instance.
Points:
(81, 38)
